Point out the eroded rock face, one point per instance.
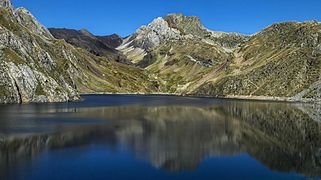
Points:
(154, 34)
(176, 28)
(22, 84)
(25, 80)
(26, 19)
(28, 72)
(6, 4)
(319, 48)
(9, 89)
(136, 46)
(192, 25)
(187, 25)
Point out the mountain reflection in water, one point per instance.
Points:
(176, 134)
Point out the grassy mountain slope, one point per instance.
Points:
(38, 68)
(181, 52)
(173, 54)
(283, 60)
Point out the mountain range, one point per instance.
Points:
(174, 54)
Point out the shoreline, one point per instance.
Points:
(229, 97)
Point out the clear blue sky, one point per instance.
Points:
(104, 17)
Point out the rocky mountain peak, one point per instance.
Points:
(192, 25)
(178, 18)
(6, 4)
(154, 34)
(86, 33)
(115, 36)
(173, 28)
(187, 24)
(113, 40)
(26, 19)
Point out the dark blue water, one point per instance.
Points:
(160, 137)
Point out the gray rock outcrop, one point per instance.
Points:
(29, 71)
(26, 19)
(6, 4)
(154, 34)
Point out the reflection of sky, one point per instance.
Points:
(101, 162)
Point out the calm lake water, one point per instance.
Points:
(160, 137)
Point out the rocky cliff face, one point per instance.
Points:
(192, 25)
(152, 35)
(26, 19)
(146, 38)
(24, 64)
(6, 4)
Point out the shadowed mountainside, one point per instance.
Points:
(97, 45)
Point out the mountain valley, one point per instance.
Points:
(174, 54)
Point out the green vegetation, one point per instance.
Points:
(11, 56)
(283, 60)
(6, 20)
(3, 91)
(278, 62)
(40, 90)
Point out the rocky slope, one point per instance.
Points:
(35, 67)
(280, 62)
(176, 28)
(283, 60)
(180, 51)
(25, 65)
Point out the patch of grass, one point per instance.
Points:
(10, 55)
(3, 91)
(6, 20)
(39, 90)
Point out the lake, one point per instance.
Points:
(160, 137)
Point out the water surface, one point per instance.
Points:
(160, 137)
